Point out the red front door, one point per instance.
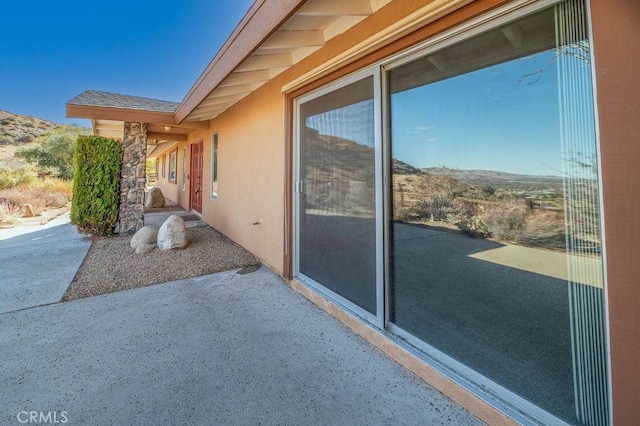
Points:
(196, 176)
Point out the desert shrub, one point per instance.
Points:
(11, 178)
(24, 138)
(96, 184)
(6, 140)
(474, 228)
(506, 221)
(544, 228)
(8, 211)
(55, 155)
(441, 206)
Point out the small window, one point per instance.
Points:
(214, 166)
(184, 169)
(173, 164)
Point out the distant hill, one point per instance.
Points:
(16, 129)
(22, 131)
(471, 176)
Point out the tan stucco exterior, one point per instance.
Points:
(616, 33)
(170, 190)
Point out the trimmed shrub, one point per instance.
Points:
(96, 184)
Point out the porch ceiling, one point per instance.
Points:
(156, 134)
(261, 48)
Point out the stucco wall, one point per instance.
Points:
(616, 33)
(169, 190)
(250, 174)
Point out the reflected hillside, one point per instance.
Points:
(521, 209)
(526, 210)
(343, 175)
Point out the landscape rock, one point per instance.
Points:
(172, 234)
(56, 200)
(145, 248)
(28, 210)
(155, 198)
(145, 235)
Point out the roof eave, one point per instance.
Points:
(262, 19)
(133, 115)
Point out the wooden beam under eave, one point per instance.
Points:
(201, 125)
(107, 127)
(207, 113)
(513, 33)
(167, 136)
(284, 39)
(222, 100)
(265, 62)
(236, 89)
(238, 78)
(439, 61)
(335, 8)
(93, 126)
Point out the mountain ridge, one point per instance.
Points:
(18, 129)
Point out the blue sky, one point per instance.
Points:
(50, 51)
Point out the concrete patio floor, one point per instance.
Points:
(218, 349)
(37, 263)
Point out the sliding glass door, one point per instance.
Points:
(336, 188)
(486, 253)
(495, 245)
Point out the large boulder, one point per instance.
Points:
(154, 198)
(145, 235)
(145, 248)
(56, 200)
(172, 234)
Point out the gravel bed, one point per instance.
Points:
(112, 265)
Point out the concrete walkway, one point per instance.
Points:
(219, 349)
(157, 218)
(37, 263)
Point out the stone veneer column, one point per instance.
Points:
(133, 177)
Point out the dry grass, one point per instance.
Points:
(19, 196)
(7, 215)
(39, 193)
(50, 185)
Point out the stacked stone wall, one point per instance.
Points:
(133, 177)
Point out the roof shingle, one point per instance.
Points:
(115, 100)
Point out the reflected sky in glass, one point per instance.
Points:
(497, 118)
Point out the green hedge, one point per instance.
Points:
(96, 184)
